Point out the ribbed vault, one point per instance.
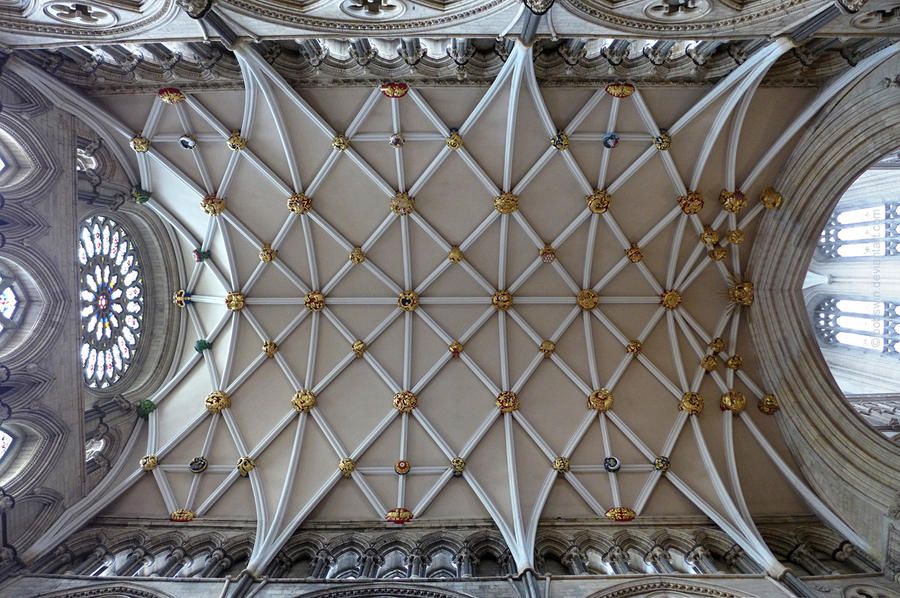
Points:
(469, 321)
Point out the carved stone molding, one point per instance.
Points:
(286, 13)
(194, 8)
(655, 584)
(320, 63)
(37, 169)
(80, 29)
(759, 14)
(377, 590)
(869, 591)
(113, 589)
(27, 102)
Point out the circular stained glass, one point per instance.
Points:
(112, 301)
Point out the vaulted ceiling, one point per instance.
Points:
(478, 242)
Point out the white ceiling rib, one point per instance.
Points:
(517, 524)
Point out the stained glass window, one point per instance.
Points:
(5, 442)
(10, 303)
(84, 161)
(112, 301)
(92, 447)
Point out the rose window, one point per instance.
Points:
(112, 301)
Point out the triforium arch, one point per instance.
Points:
(111, 590)
(825, 435)
(663, 587)
(381, 589)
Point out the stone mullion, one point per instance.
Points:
(616, 559)
(699, 557)
(92, 561)
(737, 558)
(320, 565)
(213, 562)
(56, 560)
(885, 335)
(505, 560)
(369, 562)
(803, 556)
(279, 566)
(172, 563)
(465, 561)
(132, 562)
(575, 560)
(658, 558)
(221, 567)
(846, 552)
(416, 563)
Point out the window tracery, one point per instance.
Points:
(112, 301)
(851, 289)
(868, 325)
(869, 231)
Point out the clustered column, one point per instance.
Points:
(465, 561)
(574, 559)
(738, 559)
(216, 563)
(320, 565)
(369, 563)
(616, 559)
(416, 563)
(699, 557)
(803, 556)
(658, 558)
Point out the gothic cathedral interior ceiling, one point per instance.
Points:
(524, 298)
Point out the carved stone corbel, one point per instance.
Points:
(196, 9)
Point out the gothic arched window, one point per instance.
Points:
(868, 325)
(852, 292)
(84, 160)
(112, 301)
(11, 305)
(6, 441)
(93, 447)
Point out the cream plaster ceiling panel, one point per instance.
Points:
(543, 460)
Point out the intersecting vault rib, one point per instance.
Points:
(275, 521)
